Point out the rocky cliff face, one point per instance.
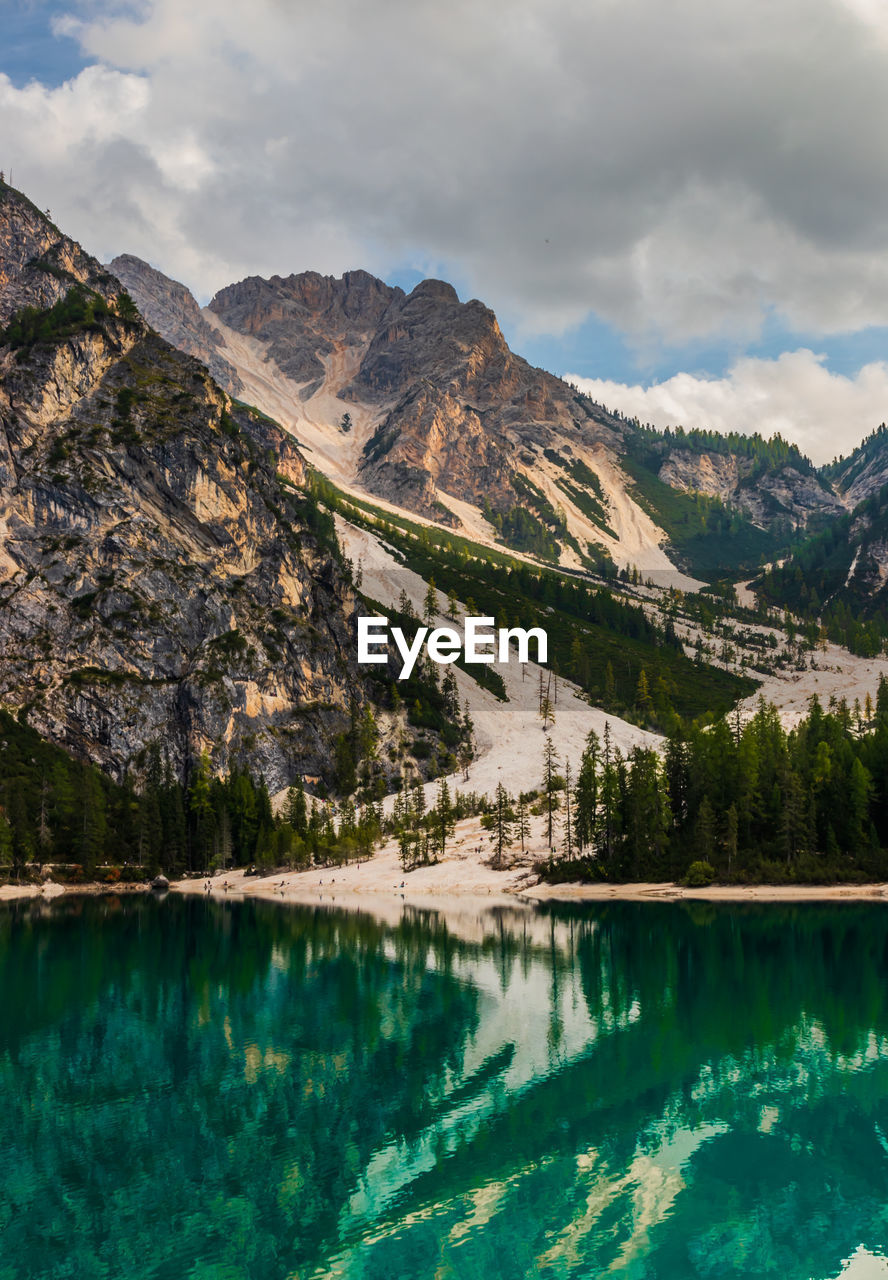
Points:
(864, 472)
(452, 403)
(305, 318)
(461, 405)
(38, 265)
(768, 496)
(172, 310)
(163, 575)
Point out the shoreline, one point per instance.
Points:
(444, 882)
(49, 890)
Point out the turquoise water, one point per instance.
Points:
(229, 1091)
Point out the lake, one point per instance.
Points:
(235, 1091)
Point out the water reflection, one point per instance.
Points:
(245, 1090)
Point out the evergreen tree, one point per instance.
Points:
(444, 819)
(296, 808)
(568, 815)
(550, 779)
(522, 822)
(643, 702)
(586, 798)
(200, 811)
(503, 825)
(705, 831)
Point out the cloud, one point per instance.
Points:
(680, 170)
(824, 413)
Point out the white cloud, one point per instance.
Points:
(681, 170)
(824, 413)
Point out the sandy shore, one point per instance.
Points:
(446, 883)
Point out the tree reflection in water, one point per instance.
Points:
(247, 1090)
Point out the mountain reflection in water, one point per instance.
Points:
(227, 1090)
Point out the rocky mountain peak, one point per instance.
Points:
(431, 335)
(305, 318)
(171, 309)
(437, 290)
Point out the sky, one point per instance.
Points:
(681, 206)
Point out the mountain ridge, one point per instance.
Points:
(448, 423)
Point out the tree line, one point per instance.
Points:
(729, 801)
(55, 809)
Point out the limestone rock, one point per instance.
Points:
(785, 493)
(172, 310)
(165, 578)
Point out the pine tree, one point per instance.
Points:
(522, 822)
(296, 809)
(550, 767)
(568, 821)
(450, 692)
(502, 831)
(794, 816)
(729, 838)
(468, 727)
(647, 817)
(643, 702)
(705, 831)
(94, 829)
(200, 809)
(610, 822)
(586, 796)
(444, 820)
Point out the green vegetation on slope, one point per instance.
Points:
(604, 644)
(649, 442)
(81, 309)
(832, 578)
(846, 470)
(583, 487)
(709, 539)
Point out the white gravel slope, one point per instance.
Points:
(509, 735)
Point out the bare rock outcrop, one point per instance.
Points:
(171, 309)
(165, 577)
(303, 317)
(788, 493)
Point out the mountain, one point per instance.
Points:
(171, 309)
(416, 399)
(864, 472)
(165, 575)
(442, 410)
(727, 502)
(840, 576)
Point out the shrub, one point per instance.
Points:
(699, 875)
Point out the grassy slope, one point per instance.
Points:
(709, 540)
